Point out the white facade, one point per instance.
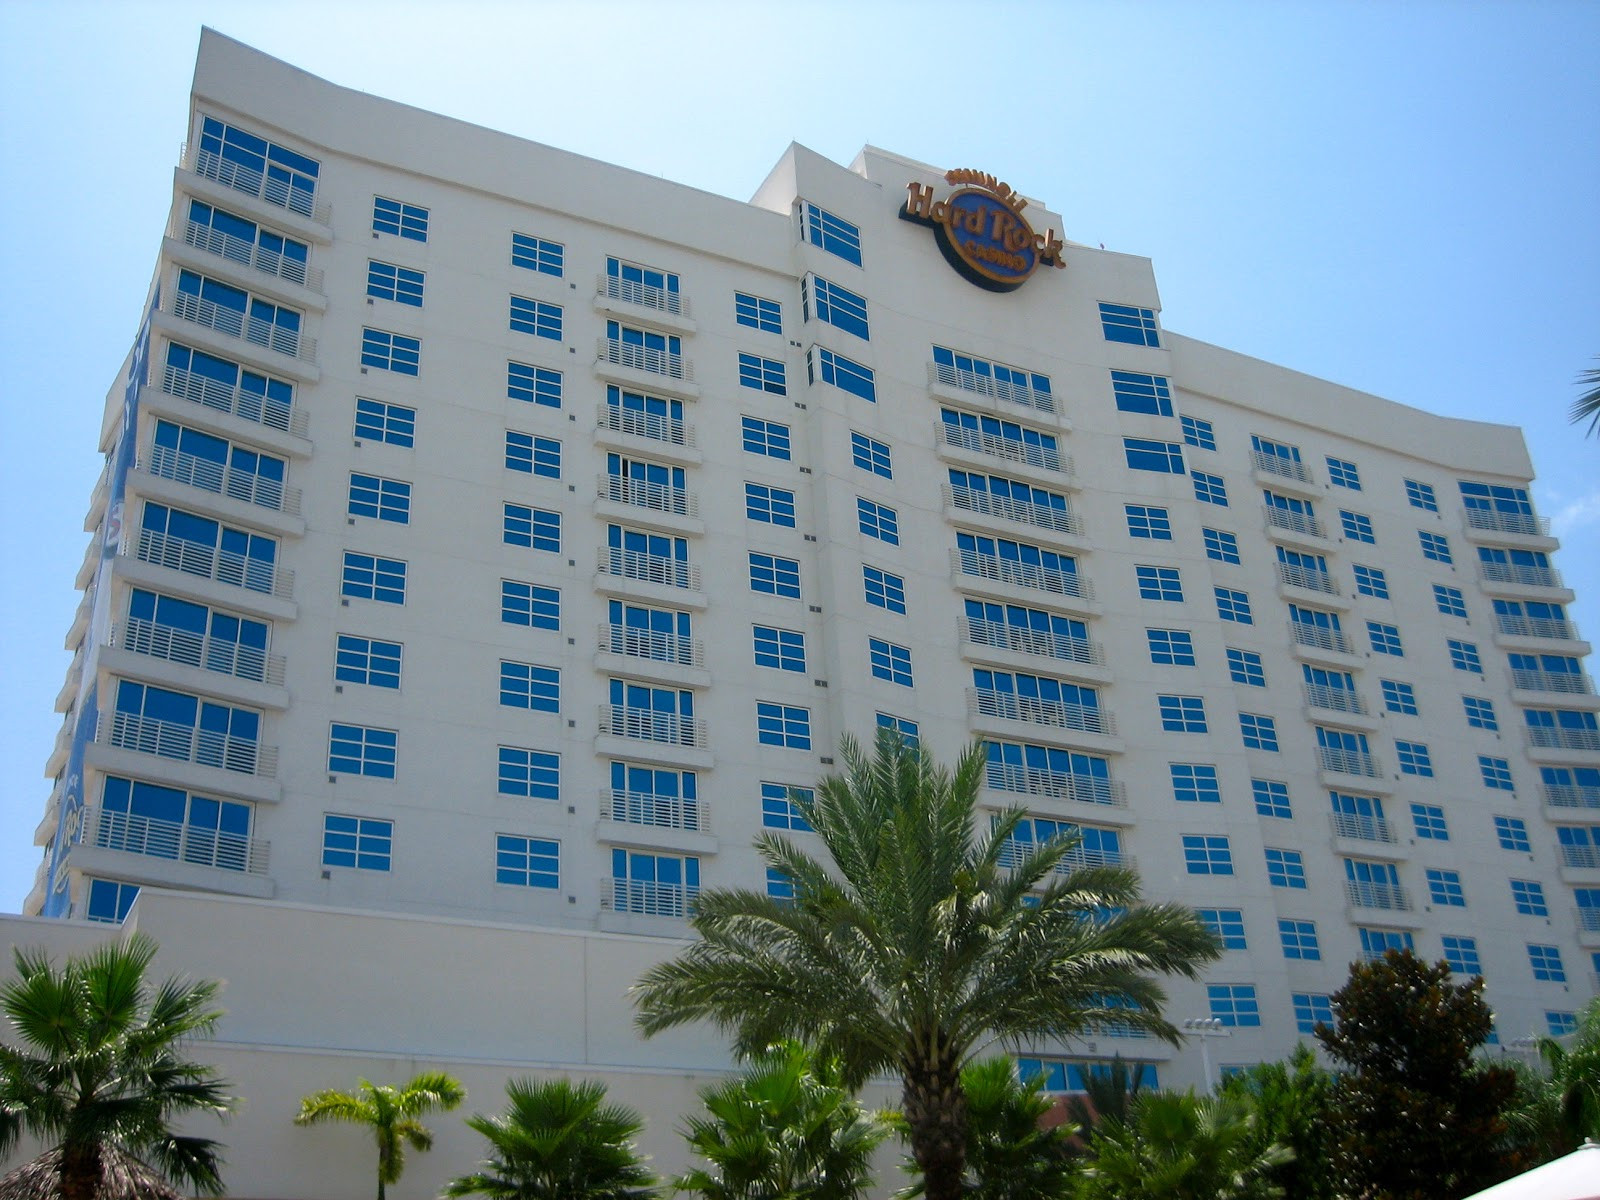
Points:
(646, 508)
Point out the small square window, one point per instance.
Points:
(1138, 392)
(362, 843)
(534, 527)
(832, 233)
(1198, 433)
(1449, 600)
(537, 317)
(1385, 639)
(1221, 545)
(1170, 647)
(1414, 759)
(1435, 546)
(1233, 605)
(783, 725)
(774, 576)
(1310, 1010)
(883, 589)
(1444, 888)
(1159, 583)
(527, 862)
(1464, 656)
(1546, 963)
(1285, 868)
(1149, 454)
(529, 604)
(763, 374)
(392, 423)
(1560, 1024)
(1512, 834)
(385, 499)
(770, 505)
(1299, 940)
(358, 750)
(1259, 732)
(907, 729)
(781, 649)
(889, 661)
(1148, 521)
(767, 438)
(386, 351)
(1357, 526)
(1343, 474)
(533, 455)
(530, 686)
(1225, 924)
(537, 254)
(1480, 712)
(877, 520)
(533, 774)
(367, 661)
(834, 305)
(1271, 798)
(1244, 666)
(842, 373)
(1428, 821)
(1461, 953)
(778, 808)
(1209, 489)
(1371, 581)
(1129, 323)
(409, 221)
(369, 577)
(1527, 897)
(1496, 773)
(757, 313)
(1399, 697)
(1234, 1004)
(1207, 854)
(1182, 714)
(386, 281)
(870, 455)
(533, 385)
(1195, 783)
(1420, 495)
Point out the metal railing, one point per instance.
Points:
(651, 725)
(251, 182)
(141, 635)
(1309, 578)
(187, 743)
(1274, 464)
(1010, 449)
(1322, 638)
(1348, 762)
(1046, 642)
(1007, 508)
(1553, 628)
(1580, 858)
(231, 399)
(1553, 737)
(1009, 706)
(1295, 522)
(1057, 785)
(208, 562)
(1571, 795)
(652, 644)
(1588, 919)
(649, 808)
(1022, 574)
(251, 254)
(986, 385)
(645, 358)
(199, 310)
(651, 899)
(1572, 683)
(645, 295)
(1508, 522)
(1523, 574)
(650, 568)
(182, 843)
(1335, 699)
(1016, 854)
(1361, 828)
(654, 426)
(1366, 894)
(642, 493)
(222, 479)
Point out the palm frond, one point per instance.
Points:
(1587, 406)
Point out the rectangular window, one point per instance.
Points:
(907, 729)
(533, 385)
(1233, 605)
(1146, 454)
(769, 438)
(1299, 940)
(1399, 697)
(1245, 666)
(1271, 798)
(774, 506)
(889, 661)
(366, 660)
(1129, 323)
(883, 589)
(1461, 953)
(1512, 834)
(1141, 393)
(1444, 888)
(529, 604)
(870, 455)
(757, 313)
(1496, 773)
(1343, 474)
(1207, 854)
(834, 305)
(1421, 495)
(1285, 868)
(1546, 963)
(537, 254)
(386, 281)
(877, 520)
(1527, 896)
(385, 499)
(1479, 712)
(1435, 546)
(1225, 924)
(527, 862)
(1209, 489)
(1310, 1010)
(525, 526)
(1195, 783)
(779, 810)
(781, 649)
(783, 725)
(364, 843)
(1170, 647)
(403, 220)
(842, 373)
(1414, 759)
(1449, 600)
(533, 455)
(533, 774)
(1259, 732)
(1234, 1004)
(1371, 581)
(1198, 433)
(832, 233)
(391, 351)
(110, 901)
(357, 750)
(1182, 714)
(1221, 545)
(1148, 521)
(1560, 1024)
(1357, 526)
(537, 317)
(763, 374)
(774, 576)
(392, 423)
(1385, 639)
(1159, 583)
(368, 577)
(527, 685)
(251, 164)
(1464, 656)
(657, 885)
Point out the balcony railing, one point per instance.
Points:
(1036, 711)
(1023, 640)
(655, 426)
(186, 743)
(645, 358)
(987, 385)
(1274, 464)
(1294, 522)
(1057, 785)
(648, 808)
(1572, 683)
(1364, 894)
(1362, 828)
(1334, 699)
(1523, 574)
(1508, 522)
(1007, 508)
(650, 568)
(251, 182)
(173, 840)
(651, 899)
(646, 295)
(143, 636)
(189, 307)
(208, 562)
(1306, 634)
(652, 725)
(233, 400)
(1348, 762)
(222, 479)
(1022, 574)
(1581, 858)
(1571, 795)
(641, 493)
(1011, 449)
(1017, 853)
(251, 254)
(1537, 627)
(1588, 919)
(1310, 578)
(652, 644)
(1556, 738)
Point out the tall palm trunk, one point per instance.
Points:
(936, 1115)
(80, 1171)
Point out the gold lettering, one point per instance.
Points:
(919, 199)
(973, 222)
(939, 211)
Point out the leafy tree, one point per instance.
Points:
(1414, 1116)
(1290, 1098)
(784, 1130)
(96, 1065)
(1179, 1146)
(1108, 1095)
(1587, 406)
(1011, 1153)
(922, 939)
(1572, 1085)
(391, 1114)
(558, 1140)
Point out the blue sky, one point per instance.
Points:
(1403, 198)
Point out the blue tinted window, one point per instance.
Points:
(1512, 834)
(1429, 823)
(1182, 714)
(1496, 772)
(1234, 1003)
(889, 661)
(533, 385)
(409, 221)
(1357, 526)
(529, 604)
(1198, 433)
(1148, 521)
(1171, 647)
(883, 589)
(364, 843)
(1158, 583)
(1195, 783)
(366, 660)
(769, 438)
(537, 254)
(783, 725)
(1399, 697)
(368, 577)
(534, 455)
(1138, 392)
(534, 527)
(1245, 666)
(1449, 600)
(1435, 546)
(1259, 732)
(1385, 639)
(833, 233)
(527, 862)
(1221, 545)
(536, 317)
(1461, 953)
(534, 774)
(1285, 868)
(1371, 581)
(530, 686)
(386, 499)
(842, 373)
(1226, 924)
(386, 281)
(757, 313)
(1421, 495)
(775, 576)
(835, 305)
(1129, 323)
(357, 750)
(392, 423)
(1145, 454)
(1209, 489)
(1207, 854)
(1310, 1010)
(388, 351)
(1271, 798)
(1233, 605)
(1344, 474)
(774, 506)
(781, 649)
(878, 520)
(870, 455)
(1299, 940)
(763, 374)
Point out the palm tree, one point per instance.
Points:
(1574, 1078)
(558, 1141)
(391, 1114)
(922, 940)
(96, 1066)
(785, 1128)
(1587, 406)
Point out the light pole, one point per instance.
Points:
(1206, 1028)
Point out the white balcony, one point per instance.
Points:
(184, 843)
(1043, 642)
(1548, 737)
(222, 479)
(654, 426)
(986, 385)
(1520, 574)
(652, 644)
(1009, 706)
(187, 743)
(648, 568)
(231, 321)
(1571, 795)
(645, 295)
(251, 254)
(1007, 508)
(1046, 458)
(1388, 896)
(1320, 638)
(233, 400)
(208, 562)
(1334, 699)
(648, 898)
(1362, 828)
(1308, 578)
(641, 493)
(1022, 574)
(251, 182)
(1588, 919)
(645, 358)
(1580, 858)
(650, 809)
(1570, 683)
(1056, 785)
(1348, 762)
(142, 636)
(1285, 468)
(652, 725)
(1492, 521)
(1294, 522)
(1551, 628)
